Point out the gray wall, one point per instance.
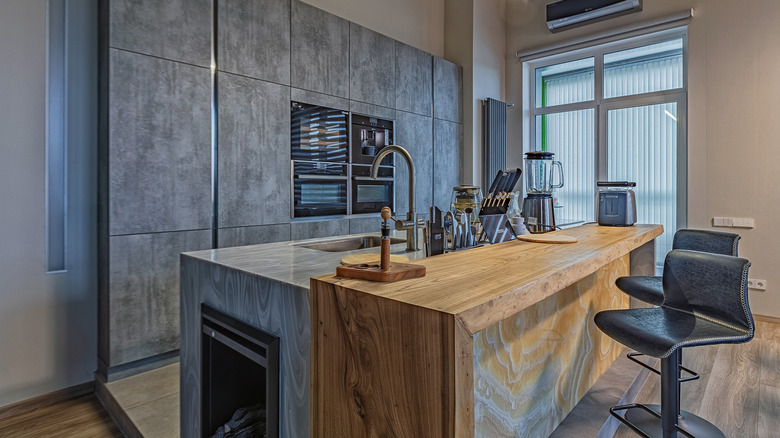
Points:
(48, 321)
(158, 155)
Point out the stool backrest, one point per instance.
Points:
(709, 285)
(716, 242)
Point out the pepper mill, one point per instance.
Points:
(384, 254)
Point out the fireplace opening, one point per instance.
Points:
(239, 378)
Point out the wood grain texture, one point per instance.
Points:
(485, 285)
(81, 417)
(280, 309)
(532, 369)
(464, 382)
(377, 375)
(374, 272)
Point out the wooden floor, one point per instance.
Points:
(739, 388)
(82, 417)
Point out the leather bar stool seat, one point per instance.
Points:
(705, 302)
(649, 288)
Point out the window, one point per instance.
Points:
(615, 112)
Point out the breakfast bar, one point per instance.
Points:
(493, 341)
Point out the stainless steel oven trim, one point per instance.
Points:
(325, 177)
(368, 178)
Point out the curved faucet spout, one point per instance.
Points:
(411, 215)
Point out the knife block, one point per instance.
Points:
(496, 228)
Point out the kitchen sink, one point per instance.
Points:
(349, 243)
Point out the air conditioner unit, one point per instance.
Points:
(571, 13)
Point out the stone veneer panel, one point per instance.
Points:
(159, 159)
(532, 368)
(178, 30)
(144, 299)
(254, 39)
(323, 228)
(280, 309)
(320, 50)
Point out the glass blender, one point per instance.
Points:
(538, 204)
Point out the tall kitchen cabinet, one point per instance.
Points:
(193, 158)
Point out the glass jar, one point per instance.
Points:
(467, 199)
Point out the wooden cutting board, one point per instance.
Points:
(358, 259)
(547, 238)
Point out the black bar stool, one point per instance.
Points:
(650, 289)
(705, 302)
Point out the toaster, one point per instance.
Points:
(617, 203)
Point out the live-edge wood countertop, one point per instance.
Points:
(485, 285)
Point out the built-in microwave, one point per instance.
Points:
(370, 195)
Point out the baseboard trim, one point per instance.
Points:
(122, 421)
(772, 319)
(40, 401)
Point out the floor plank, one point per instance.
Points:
(79, 417)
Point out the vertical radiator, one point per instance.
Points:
(494, 127)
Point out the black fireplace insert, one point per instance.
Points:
(239, 378)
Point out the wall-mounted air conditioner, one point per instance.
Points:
(569, 13)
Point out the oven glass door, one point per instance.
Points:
(319, 189)
(318, 133)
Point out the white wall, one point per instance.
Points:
(733, 107)
(48, 328)
(419, 23)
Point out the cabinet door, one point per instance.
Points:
(447, 159)
(254, 152)
(371, 67)
(447, 91)
(320, 51)
(254, 39)
(415, 134)
(413, 79)
(159, 155)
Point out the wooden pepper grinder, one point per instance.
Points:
(384, 255)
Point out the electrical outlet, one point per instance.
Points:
(743, 222)
(756, 284)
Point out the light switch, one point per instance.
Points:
(743, 222)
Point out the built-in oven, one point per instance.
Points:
(370, 195)
(369, 136)
(319, 188)
(318, 133)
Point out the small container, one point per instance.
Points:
(467, 199)
(617, 203)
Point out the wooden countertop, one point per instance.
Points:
(485, 285)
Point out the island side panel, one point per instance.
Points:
(463, 402)
(277, 308)
(531, 369)
(384, 368)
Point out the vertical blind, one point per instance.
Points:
(641, 140)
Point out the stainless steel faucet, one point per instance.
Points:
(410, 224)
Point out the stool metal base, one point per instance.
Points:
(646, 421)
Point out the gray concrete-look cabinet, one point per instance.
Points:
(371, 67)
(159, 158)
(415, 134)
(365, 225)
(320, 51)
(254, 39)
(413, 79)
(447, 90)
(179, 30)
(323, 228)
(447, 153)
(240, 236)
(372, 110)
(313, 98)
(144, 299)
(254, 152)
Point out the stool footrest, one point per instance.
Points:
(614, 410)
(633, 357)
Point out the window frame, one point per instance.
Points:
(601, 105)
